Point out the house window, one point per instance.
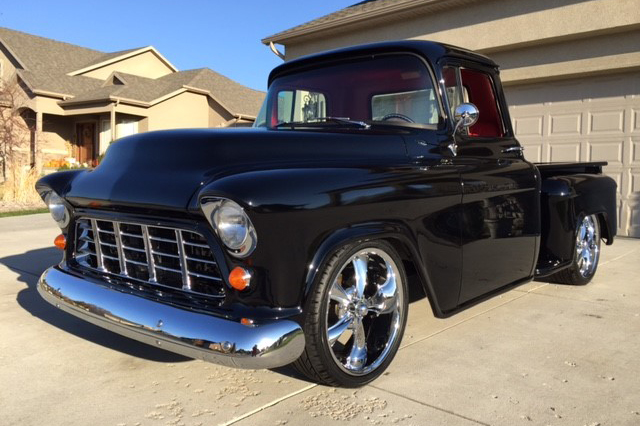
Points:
(126, 128)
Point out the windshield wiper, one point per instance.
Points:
(338, 120)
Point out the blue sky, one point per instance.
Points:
(222, 35)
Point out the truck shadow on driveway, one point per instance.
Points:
(29, 266)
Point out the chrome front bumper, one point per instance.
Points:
(193, 334)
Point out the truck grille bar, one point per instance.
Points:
(158, 255)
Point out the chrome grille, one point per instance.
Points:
(158, 255)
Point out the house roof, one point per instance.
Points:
(236, 98)
(365, 12)
(42, 55)
(48, 67)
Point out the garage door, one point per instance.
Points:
(586, 119)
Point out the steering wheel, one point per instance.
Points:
(398, 116)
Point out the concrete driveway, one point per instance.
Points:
(539, 355)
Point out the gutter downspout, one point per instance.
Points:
(275, 50)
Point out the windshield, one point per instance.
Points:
(392, 89)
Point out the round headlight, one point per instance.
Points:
(58, 210)
(232, 225)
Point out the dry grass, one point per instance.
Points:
(19, 188)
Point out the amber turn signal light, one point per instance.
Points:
(239, 278)
(60, 242)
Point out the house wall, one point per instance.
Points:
(57, 132)
(488, 26)
(8, 65)
(146, 64)
(218, 116)
(181, 111)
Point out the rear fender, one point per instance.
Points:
(564, 200)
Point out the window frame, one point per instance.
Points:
(442, 115)
(492, 73)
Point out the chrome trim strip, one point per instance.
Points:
(134, 249)
(195, 259)
(164, 268)
(135, 262)
(267, 345)
(209, 277)
(123, 264)
(166, 240)
(149, 250)
(160, 253)
(96, 242)
(189, 243)
(186, 281)
(127, 234)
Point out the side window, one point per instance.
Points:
(301, 106)
(469, 85)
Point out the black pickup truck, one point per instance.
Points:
(373, 173)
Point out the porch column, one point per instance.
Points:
(39, 137)
(113, 123)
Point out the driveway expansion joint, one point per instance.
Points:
(444, 410)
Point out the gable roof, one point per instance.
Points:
(234, 97)
(112, 57)
(51, 68)
(364, 13)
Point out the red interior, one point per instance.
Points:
(480, 91)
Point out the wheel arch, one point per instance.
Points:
(397, 235)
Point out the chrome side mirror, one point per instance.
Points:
(465, 115)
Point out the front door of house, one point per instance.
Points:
(85, 137)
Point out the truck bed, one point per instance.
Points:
(559, 169)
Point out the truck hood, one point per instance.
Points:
(166, 169)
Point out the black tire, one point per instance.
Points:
(319, 361)
(577, 274)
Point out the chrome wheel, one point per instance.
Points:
(587, 247)
(365, 311)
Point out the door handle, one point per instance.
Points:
(513, 149)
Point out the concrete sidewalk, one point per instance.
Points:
(539, 355)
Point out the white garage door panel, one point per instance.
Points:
(587, 119)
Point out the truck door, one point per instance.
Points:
(500, 189)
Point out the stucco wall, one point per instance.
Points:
(498, 26)
(181, 111)
(146, 65)
(218, 116)
(56, 132)
(8, 67)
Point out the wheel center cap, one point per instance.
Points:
(361, 309)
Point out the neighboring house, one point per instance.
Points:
(80, 100)
(570, 69)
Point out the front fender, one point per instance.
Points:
(301, 215)
(60, 182)
(398, 234)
